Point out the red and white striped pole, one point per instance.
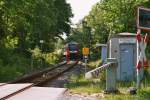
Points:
(139, 41)
(139, 62)
(142, 60)
(146, 65)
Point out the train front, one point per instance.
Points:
(72, 50)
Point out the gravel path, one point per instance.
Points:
(64, 79)
(70, 96)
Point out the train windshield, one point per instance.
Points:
(73, 47)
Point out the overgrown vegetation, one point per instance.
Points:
(29, 33)
(14, 64)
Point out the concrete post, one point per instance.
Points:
(111, 76)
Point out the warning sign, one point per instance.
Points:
(85, 51)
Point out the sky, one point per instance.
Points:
(81, 8)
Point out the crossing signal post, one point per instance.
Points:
(143, 24)
(142, 60)
(85, 52)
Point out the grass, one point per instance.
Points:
(78, 84)
(93, 64)
(142, 94)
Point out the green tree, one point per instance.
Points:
(35, 20)
(113, 16)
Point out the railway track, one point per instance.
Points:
(28, 78)
(37, 79)
(40, 78)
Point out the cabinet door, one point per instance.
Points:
(126, 62)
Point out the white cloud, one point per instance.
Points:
(81, 8)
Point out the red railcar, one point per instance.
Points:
(71, 51)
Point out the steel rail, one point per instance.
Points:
(17, 92)
(35, 74)
(41, 79)
(53, 74)
(38, 80)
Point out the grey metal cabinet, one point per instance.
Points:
(123, 47)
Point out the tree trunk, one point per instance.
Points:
(21, 42)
